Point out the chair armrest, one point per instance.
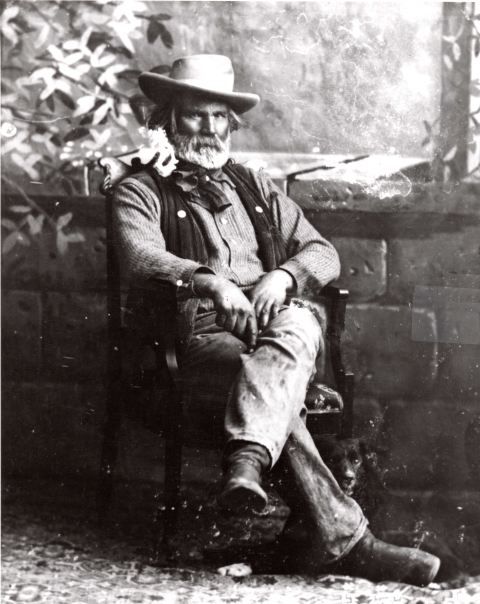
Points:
(344, 379)
(162, 296)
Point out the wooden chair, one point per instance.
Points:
(329, 412)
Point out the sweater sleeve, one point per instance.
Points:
(140, 243)
(312, 260)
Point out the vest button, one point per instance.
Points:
(181, 213)
(224, 221)
(259, 209)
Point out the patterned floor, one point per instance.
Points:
(53, 551)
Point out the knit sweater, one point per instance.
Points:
(232, 248)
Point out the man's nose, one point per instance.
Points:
(208, 125)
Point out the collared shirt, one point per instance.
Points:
(232, 247)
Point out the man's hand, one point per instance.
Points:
(269, 294)
(235, 313)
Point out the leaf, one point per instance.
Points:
(96, 38)
(166, 36)
(9, 224)
(75, 134)
(64, 220)
(75, 237)
(55, 52)
(448, 61)
(100, 113)
(474, 89)
(476, 47)
(161, 69)
(35, 224)
(140, 107)
(66, 100)
(62, 243)
(121, 50)
(84, 104)
(456, 51)
(428, 127)
(50, 103)
(129, 73)
(425, 141)
(153, 31)
(451, 154)
(9, 242)
(161, 17)
(20, 209)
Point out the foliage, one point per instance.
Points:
(69, 94)
(457, 76)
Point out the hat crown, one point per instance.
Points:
(210, 72)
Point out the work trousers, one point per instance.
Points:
(259, 397)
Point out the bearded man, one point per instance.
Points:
(237, 250)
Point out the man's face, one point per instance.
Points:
(206, 118)
(203, 133)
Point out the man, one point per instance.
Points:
(237, 250)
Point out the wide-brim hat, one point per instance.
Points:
(209, 76)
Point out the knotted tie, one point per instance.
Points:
(199, 183)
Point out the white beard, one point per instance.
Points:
(209, 152)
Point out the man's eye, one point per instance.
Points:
(221, 115)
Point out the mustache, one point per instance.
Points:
(199, 141)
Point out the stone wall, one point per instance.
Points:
(412, 337)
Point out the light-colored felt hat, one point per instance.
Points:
(209, 76)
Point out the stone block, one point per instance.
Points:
(82, 266)
(379, 350)
(431, 261)
(459, 371)
(75, 344)
(425, 443)
(43, 431)
(21, 333)
(364, 267)
(457, 310)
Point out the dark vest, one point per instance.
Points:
(182, 234)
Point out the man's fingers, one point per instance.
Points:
(240, 326)
(264, 315)
(251, 332)
(274, 311)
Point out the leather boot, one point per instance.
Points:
(376, 560)
(243, 466)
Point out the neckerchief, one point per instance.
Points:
(200, 185)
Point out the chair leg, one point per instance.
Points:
(173, 474)
(109, 452)
(347, 395)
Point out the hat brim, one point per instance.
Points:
(159, 89)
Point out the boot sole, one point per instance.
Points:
(245, 497)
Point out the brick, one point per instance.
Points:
(82, 267)
(431, 261)
(425, 441)
(43, 431)
(21, 333)
(364, 267)
(379, 349)
(75, 342)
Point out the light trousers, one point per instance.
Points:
(259, 397)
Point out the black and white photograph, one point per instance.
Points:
(240, 302)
